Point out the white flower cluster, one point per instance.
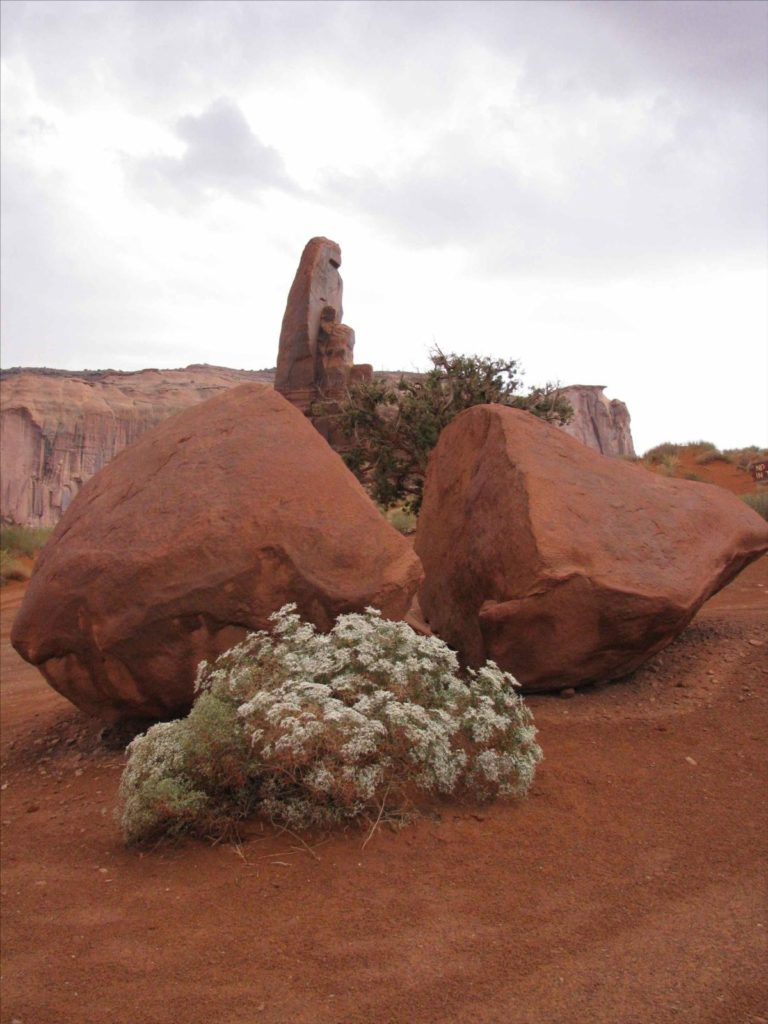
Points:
(334, 726)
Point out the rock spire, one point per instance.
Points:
(315, 357)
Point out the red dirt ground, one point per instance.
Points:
(628, 888)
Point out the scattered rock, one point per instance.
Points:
(191, 538)
(561, 565)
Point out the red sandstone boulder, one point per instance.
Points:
(193, 536)
(560, 564)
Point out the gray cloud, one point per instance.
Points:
(689, 184)
(714, 47)
(627, 206)
(222, 155)
(159, 50)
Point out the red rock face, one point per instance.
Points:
(561, 565)
(194, 536)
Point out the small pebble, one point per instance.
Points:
(691, 761)
(568, 692)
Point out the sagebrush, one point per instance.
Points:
(315, 730)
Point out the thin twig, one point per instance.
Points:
(378, 819)
(309, 849)
(238, 848)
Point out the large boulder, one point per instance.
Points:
(194, 536)
(560, 564)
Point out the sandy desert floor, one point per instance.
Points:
(630, 887)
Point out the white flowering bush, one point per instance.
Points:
(312, 729)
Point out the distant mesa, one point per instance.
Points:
(59, 427)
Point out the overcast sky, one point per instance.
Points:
(581, 186)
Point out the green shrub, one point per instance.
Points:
(18, 543)
(315, 730)
(661, 451)
(669, 463)
(701, 446)
(711, 455)
(23, 540)
(758, 501)
(12, 568)
(393, 425)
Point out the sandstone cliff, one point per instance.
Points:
(598, 422)
(58, 428)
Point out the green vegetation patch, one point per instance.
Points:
(667, 451)
(758, 501)
(12, 568)
(18, 543)
(23, 540)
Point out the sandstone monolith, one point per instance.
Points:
(315, 355)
